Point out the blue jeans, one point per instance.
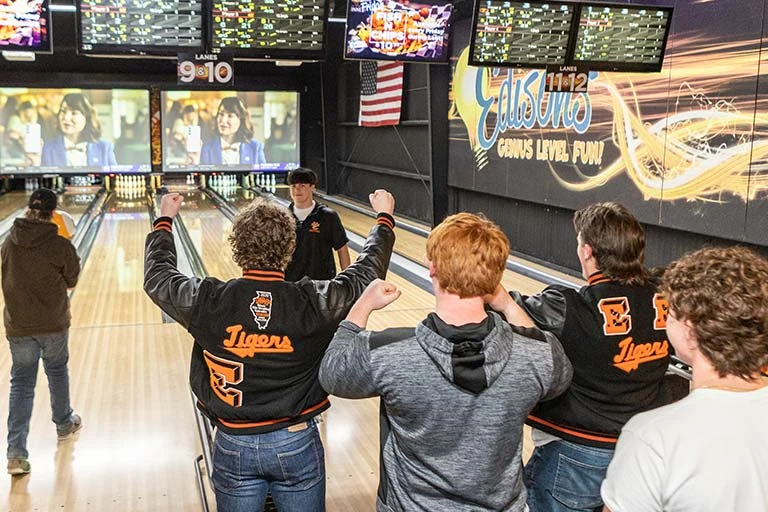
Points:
(25, 353)
(565, 477)
(289, 464)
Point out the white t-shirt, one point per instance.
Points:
(303, 213)
(705, 453)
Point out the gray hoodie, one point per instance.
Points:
(454, 400)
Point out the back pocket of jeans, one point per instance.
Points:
(226, 468)
(302, 466)
(577, 485)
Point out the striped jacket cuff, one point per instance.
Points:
(163, 223)
(386, 219)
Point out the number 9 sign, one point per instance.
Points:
(204, 69)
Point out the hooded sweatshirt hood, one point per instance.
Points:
(32, 233)
(470, 356)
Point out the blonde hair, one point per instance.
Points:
(469, 254)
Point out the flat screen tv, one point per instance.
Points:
(269, 29)
(212, 131)
(115, 27)
(521, 34)
(398, 30)
(613, 37)
(74, 130)
(25, 26)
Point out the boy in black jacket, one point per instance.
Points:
(613, 332)
(258, 345)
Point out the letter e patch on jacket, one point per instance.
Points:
(261, 307)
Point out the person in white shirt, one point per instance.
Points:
(709, 451)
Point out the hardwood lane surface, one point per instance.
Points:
(11, 202)
(128, 380)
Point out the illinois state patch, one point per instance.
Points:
(261, 307)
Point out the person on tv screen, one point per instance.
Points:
(184, 142)
(235, 144)
(23, 135)
(79, 142)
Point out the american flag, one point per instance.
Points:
(381, 93)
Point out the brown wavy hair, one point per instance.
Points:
(469, 253)
(617, 240)
(263, 237)
(723, 293)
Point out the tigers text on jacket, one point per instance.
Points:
(259, 339)
(615, 336)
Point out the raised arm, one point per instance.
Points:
(172, 291)
(337, 295)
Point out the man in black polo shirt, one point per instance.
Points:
(318, 232)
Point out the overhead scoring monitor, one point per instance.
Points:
(140, 27)
(615, 37)
(269, 28)
(521, 34)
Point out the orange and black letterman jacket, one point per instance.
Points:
(259, 340)
(615, 337)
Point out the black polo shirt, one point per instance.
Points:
(317, 237)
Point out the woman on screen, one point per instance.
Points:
(234, 144)
(79, 142)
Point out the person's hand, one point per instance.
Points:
(170, 204)
(499, 300)
(379, 294)
(382, 201)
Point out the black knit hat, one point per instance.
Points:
(302, 175)
(43, 199)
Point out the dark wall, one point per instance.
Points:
(398, 157)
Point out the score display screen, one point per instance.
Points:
(162, 27)
(269, 28)
(524, 34)
(622, 37)
(25, 26)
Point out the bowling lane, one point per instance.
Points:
(129, 382)
(10, 202)
(110, 289)
(209, 231)
(75, 201)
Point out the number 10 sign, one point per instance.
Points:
(205, 69)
